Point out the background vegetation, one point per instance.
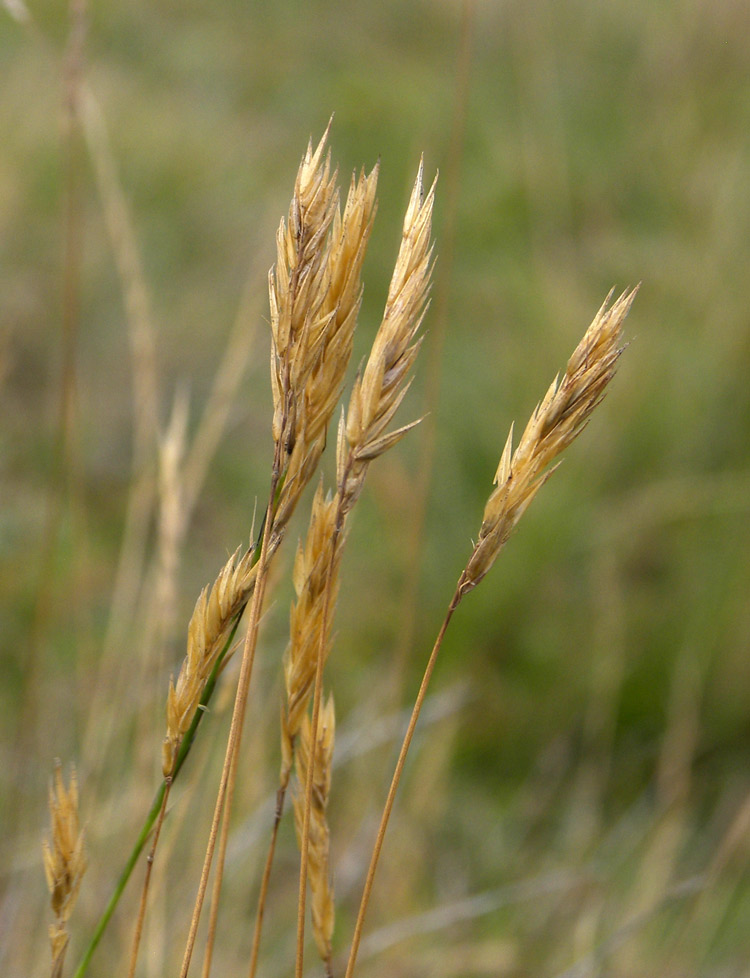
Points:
(580, 800)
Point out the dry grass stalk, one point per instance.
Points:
(317, 563)
(64, 862)
(145, 406)
(132, 277)
(211, 622)
(322, 910)
(556, 422)
(362, 437)
(315, 295)
(315, 578)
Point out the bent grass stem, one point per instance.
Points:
(429, 668)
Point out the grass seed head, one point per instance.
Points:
(64, 860)
(323, 908)
(339, 311)
(557, 420)
(208, 631)
(298, 285)
(311, 579)
(381, 387)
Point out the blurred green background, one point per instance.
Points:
(590, 776)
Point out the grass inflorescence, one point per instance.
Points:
(315, 292)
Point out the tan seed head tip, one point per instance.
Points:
(594, 360)
(504, 467)
(311, 159)
(64, 852)
(557, 420)
(420, 205)
(613, 315)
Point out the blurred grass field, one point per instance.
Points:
(580, 801)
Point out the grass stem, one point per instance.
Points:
(370, 878)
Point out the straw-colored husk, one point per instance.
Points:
(315, 573)
(375, 399)
(319, 875)
(556, 422)
(379, 390)
(64, 861)
(326, 339)
(212, 620)
(297, 287)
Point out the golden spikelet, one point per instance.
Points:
(315, 573)
(337, 311)
(556, 422)
(64, 861)
(378, 392)
(297, 287)
(208, 631)
(349, 238)
(323, 910)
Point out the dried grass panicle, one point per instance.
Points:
(555, 423)
(336, 308)
(297, 287)
(209, 628)
(64, 861)
(315, 572)
(349, 237)
(381, 387)
(375, 398)
(323, 910)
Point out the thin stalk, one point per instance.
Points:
(263, 895)
(357, 937)
(286, 772)
(155, 809)
(112, 670)
(238, 715)
(147, 879)
(66, 496)
(224, 838)
(220, 862)
(266, 878)
(130, 865)
(213, 915)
